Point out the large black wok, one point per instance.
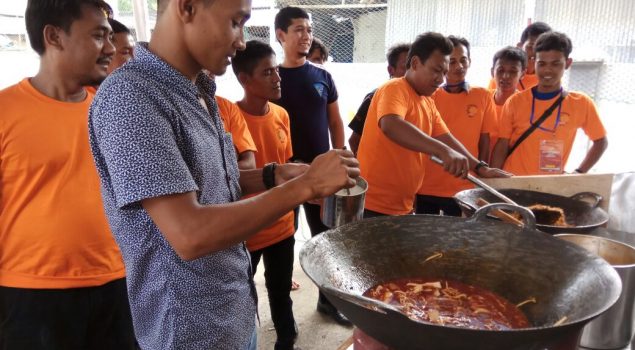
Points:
(516, 263)
(582, 215)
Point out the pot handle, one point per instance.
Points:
(595, 198)
(526, 214)
(365, 302)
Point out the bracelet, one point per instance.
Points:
(269, 175)
(479, 165)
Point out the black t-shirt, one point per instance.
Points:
(357, 124)
(306, 92)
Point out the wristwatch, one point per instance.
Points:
(269, 175)
(479, 165)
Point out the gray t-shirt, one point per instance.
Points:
(151, 137)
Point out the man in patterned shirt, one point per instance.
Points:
(171, 185)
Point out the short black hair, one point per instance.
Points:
(58, 13)
(392, 56)
(425, 44)
(286, 15)
(458, 40)
(554, 41)
(317, 44)
(511, 53)
(534, 29)
(246, 60)
(118, 27)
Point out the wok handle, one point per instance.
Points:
(596, 198)
(500, 214)
(365, 302)
(528, 217)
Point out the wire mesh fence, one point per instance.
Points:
(603, 34)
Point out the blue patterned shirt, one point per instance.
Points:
(151, 137)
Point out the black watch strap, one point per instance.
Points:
(479, 165)
(269, 175)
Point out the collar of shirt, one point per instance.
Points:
(545, 95)
(172, 77)
(463, 86)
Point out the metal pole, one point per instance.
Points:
(141, 16)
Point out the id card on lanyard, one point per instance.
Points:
(550, 151)
(551, 156)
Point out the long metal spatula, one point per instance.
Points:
(481, 184)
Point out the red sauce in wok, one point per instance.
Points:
(451, 303)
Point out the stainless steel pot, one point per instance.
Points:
(615, 328)
(345, 206)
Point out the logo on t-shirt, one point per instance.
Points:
(564, 119)
(472, 110)
(282, 136)
(319, 87)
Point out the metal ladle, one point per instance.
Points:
(348, 191)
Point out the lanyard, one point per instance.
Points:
(463, 85)
(533, 105)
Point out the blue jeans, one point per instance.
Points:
(253, 343)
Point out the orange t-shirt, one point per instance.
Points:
(493, 136)
(394, 173)
(272, 136)
(578, 111)
(467, 116)
(234, 124)
(53, 229)
(91, 89)
(526, 82)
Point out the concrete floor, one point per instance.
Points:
(316, 330)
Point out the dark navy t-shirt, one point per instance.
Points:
(357, 124)
(306, 92)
